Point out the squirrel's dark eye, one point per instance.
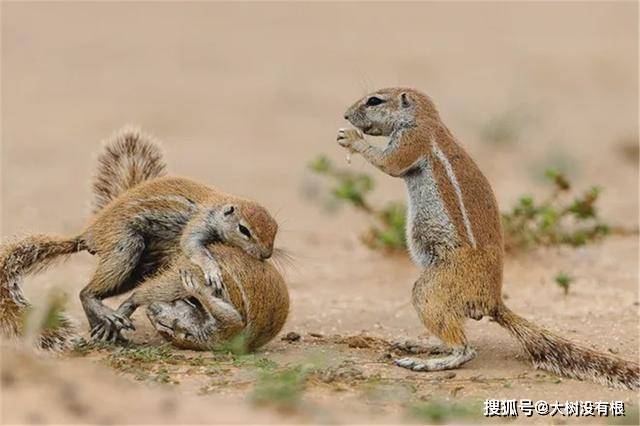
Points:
(374, 100)
(244, 231)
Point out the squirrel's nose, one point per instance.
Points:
(346, 116)
(266, 254)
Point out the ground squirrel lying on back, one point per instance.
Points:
(454, 233)
(255, 301)
(141, 221)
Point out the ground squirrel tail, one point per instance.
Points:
(558, 355)
(26, 256)
(129, 157)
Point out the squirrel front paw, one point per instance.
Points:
(213, 277)
(194, 288)
(347, 137)
(190, 284)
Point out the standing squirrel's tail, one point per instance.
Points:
(22, 257)
(129, 157)
(558, 355)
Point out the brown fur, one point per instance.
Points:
(142, 227)
(478, 196)
(162, 208)
(255, 288)
(138, 227)
(129, 158)
(23, 257)
(463, 272)
(169, 195)
(448, 196)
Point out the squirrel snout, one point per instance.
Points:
(265, 254)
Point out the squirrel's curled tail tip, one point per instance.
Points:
(129, 157)
(560, 356)
(25, 256)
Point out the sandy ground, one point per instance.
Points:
(243, 96)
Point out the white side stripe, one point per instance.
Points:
(456, 186)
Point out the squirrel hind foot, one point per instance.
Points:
(412, 347)
(458, 356)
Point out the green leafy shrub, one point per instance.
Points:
(390, 232)
(387, 229)
(561, 218)
(554, 220)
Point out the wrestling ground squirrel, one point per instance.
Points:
(255, 301)
(142, 219)
(454, 233)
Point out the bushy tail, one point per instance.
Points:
(129, 158)
(558, 355)
(26, 256)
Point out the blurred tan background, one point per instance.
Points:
(244, 95)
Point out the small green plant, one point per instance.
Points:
(82, 347)
(281, 389)
(50, 318)
(162, 375)
(436, 412)
(350, 187)
(554, 220)
(54, 314)
(145, 362)
(387, 230)
(237, 345)
(143, 354)
(564, 281)
(253, 360)
(562, 218)
(391, 233)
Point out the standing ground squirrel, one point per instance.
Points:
(454, 233)
(136, 232)
(255, 301)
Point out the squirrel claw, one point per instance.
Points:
(103, 333)
(109, 329)
(192, 286)
(213, 279)
(218, 289)
(346, 137)
(188, 282)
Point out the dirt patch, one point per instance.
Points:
(363, 342)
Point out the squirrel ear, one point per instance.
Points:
(228, 210)
(405, 100)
